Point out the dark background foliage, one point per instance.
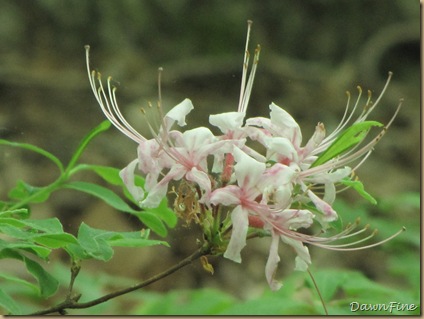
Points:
(312, 52)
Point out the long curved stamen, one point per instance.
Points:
(245, 65)
(108, 103)
(347, 158)
(127, 127)
(378, 99)
(362, 117)
(344, 121)
(346, 233)
(367, 246)
(248, 90)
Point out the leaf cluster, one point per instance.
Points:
(32, 241)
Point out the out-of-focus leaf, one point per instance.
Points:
(19, 281)
(186, 302)
(47, 284)
(9, 304)
(35, 149)
(15, 213)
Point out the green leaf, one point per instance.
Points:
(134, 239)
(165, 213)
(347, 139)
(94, 243)
(105, 125)
(47, 283)
(23, 190)
(337, 225)
(153, 222)
(48, 225)
(97, 243)
(9, 304)
(35, 149)
(33, 233)
(109, 174)
(49, 229)
(20, 212)
(359, 187)
(55, 240)
(149, 218)
(20, 281)
(40, 251)
(185, 302)
(329, 282)
(103, 193)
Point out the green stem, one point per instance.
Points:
(319, 293)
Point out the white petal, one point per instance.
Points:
(315, 140)
(148, 156)
(127, 176)
(282, 146)
(299, 218)
(198, 137)
(247, 170)
(271, 264)
(286, 123)
(303, 258)
(178, 114)
(229, 121)
(239, 219)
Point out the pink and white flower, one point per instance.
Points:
(275, 192)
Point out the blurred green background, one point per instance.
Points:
(312, 52)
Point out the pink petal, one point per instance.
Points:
(158, 192)
(329, 213)
(201, 179)
(228, 195)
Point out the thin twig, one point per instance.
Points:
(72, 303)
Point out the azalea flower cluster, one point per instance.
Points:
(290, 186)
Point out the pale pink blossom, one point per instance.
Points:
(278, 192)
